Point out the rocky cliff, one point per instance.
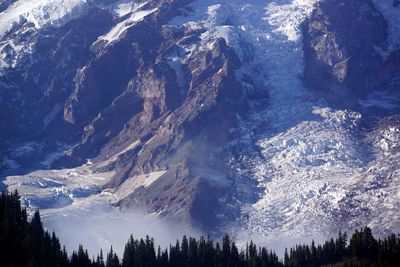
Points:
(219, 114)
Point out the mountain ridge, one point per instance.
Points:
(271, 117)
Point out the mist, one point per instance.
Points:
(99, 226)
(276, 242)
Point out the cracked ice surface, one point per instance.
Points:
(306, 158)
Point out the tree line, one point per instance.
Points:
(27, 243)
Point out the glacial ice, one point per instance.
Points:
(41, 13)
(310, 162)
(308, 157)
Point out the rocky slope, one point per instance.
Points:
(275, 117)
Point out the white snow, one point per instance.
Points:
(308, 161)
(11, 52)
(285, 18)
(124, 7)
(132, 183)
(74, 203)
(24, 17)
(113, 158)
(41, 13)
(177, 65)
(137, 15)
(305, 172)
(57, 188)
(152, 177)
(307, 158)
(126, 149)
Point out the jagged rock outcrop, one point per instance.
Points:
(107, 87)
(208, 113)
(184, 138)
(178, 115)
(4, 4)
(344, 50)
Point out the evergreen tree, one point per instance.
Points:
(80, 258)
(128, 258)
(193, 260)
(185, 251)
(27, 244)
(226, 251)
(112, 259)
(286, 257)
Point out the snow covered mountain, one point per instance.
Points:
(279, 118)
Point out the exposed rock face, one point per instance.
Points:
(179, 132)
(176, 97)
(105, 93)
(37, 77)
(4, 4)
(343, 51)
(170, 116)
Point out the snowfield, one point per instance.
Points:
(57, 188)
(25, 17)
(73, 203)
(42, 13)
(136, 15)
(315, 168)
(310, 162)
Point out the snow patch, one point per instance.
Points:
(124, 7)
(41, 13)
(114, 157)
(285, 18)
(305, 158)
(24, 17)
(118, 30)
(177, 65)
(131, 184)
(57, 188)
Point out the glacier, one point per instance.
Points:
(136, 15)
(315, 168)
(42, 13)
(306, 158)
